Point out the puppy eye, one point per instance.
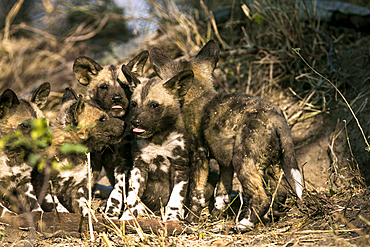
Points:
(103, 118)
(154, 105)
(104, 86)
(24, 125)
(133, 104)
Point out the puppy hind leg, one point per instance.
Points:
(253, 190)
(223, 190)
(198, 183)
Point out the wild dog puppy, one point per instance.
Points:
(15, 170)
(250, 136)
(109, 89)
(81, 123)
(160, 149)
(199, 94)
(243, 133)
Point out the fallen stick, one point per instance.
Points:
(48, 223)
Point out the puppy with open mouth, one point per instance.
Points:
(160, 174)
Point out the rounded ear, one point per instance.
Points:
(130, 77)
(7, 100)
(69, 94)
(208, 57)
(80, 106)
(137, 64)
(163, 65)
(84, 68)
(40, 96)
(180, 83)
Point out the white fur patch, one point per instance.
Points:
(297, 176)
(220, 202)
(164, 168)
(114, 208)
(150, 151)
(60, 208)
(117, 194)
(82, 203)
(244, 224)
(126, 215)
(176, 202)
(5, 211)
(78, 173)
(6, 170)
(131, 198)
(135, 179)
(152, 167)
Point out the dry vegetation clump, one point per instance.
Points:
(268, 50)
(32, 50)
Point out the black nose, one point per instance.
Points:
(135, 122)
(117, 97)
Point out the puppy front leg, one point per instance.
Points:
(180, 180)
(137, 185)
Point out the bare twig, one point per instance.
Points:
(91, 229)
(10, 17)
(91, 34)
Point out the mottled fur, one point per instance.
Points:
(16, 191)
(161, 161)
(243, 133)
(109, 88)
(82, 123)
(250, 136)
(199, 94)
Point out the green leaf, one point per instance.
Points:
(34, 158)
(76, 148)
(331, 192)
(259, 18)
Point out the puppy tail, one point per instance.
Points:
(289, 162)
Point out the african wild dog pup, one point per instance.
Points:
(243, 133)
(199, 94)
(15, 170)
(109, 89)
(250, 136)
(81, 123)
(160, 149)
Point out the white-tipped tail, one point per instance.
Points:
(297, 176)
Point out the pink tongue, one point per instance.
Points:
(117, 107)
(136, 130)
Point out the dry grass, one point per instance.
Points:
(257, 58)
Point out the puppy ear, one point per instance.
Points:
(7, 100)
(130, 77)
(180, 83)
(137, 64)
(207, 58)
(69, 94)
(85, 68)
(40, 96)
(163, 65)
(80, 106)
